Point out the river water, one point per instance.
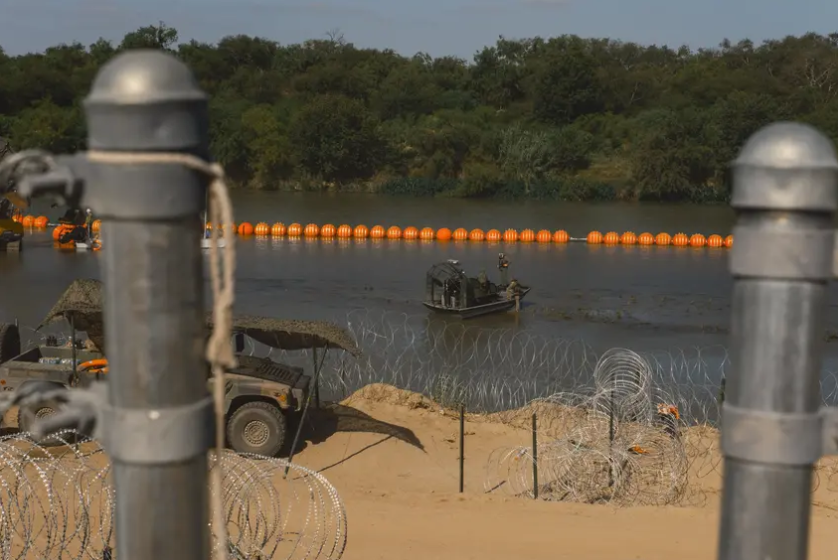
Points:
(672, 304)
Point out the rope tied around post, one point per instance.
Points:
(219, 352)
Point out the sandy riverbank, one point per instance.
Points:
(400, 490)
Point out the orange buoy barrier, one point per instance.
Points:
(680, 239)
(511, 235)
(40, 222)
(628, 238)
(96, 226)
(561, 236)
(311, 230)
(27, 221)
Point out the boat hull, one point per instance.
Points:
(499, 306)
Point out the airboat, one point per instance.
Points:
(449, 290)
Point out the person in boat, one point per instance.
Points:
(503, 265)
(88, 223)
(513, 289)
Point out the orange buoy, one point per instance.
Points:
(443, 234)
(410, 233)
(97, 225)
(311, 230)
(611, 238)
(663, 239)
(561, 236)
(327, 231)
(595, 238)
(527, 236)
(262, 228)
(697, 240)
(680, 239)
(715, 241)
(628, 238)
(278, 229)
(427, 234)
(729, 241)
(510, 236)
(493, 236)
(394, 232)
(27, 221)
(476, 235)
(344, 231)
(460, 234)
(360, 232)
(42, 221)
(246, 228)
(646, 238)
(295, 230)
(543, 236)
(377, 232)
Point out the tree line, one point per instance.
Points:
(560, 118)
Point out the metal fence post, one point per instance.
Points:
(785, 196)
(149, 102)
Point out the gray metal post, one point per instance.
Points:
(785, 196)
(147, 101)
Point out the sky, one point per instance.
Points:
(437, 27)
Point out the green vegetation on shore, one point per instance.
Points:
(561, 118)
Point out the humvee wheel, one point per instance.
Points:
(9, 342)
(257, 427)
(25, 423)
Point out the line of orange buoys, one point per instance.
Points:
(345, 231)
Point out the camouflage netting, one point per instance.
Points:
(81, 303)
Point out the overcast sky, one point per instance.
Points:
(438, 27)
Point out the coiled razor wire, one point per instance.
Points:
(56, 502)
(497, 373)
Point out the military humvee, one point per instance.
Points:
(260, 393)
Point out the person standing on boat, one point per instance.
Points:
(88, 224)
(503, 265)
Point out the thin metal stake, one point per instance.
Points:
(462, 445)
(534, 457)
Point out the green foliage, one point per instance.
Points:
(563, 118)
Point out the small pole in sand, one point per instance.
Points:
(534, 457)
(316, 378)
(611, 438)
(462, 444)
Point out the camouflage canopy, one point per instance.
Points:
(81, 303)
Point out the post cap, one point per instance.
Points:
(788, 145)
(144, 76)
(786, 166)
